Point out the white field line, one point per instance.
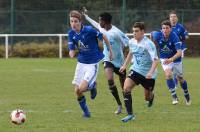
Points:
(37, 111)
(138, 112)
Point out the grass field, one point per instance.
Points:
(42, 87)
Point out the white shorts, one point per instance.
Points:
(177, 67)
(86, 72)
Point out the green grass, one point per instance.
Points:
(42, 87)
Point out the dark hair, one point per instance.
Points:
(76, 14)
(166, 22)
(139, 25)
(172, 12)
(105, 16)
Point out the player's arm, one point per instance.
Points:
(90, 20)
(154, 57)
(184, 33)
(177, 55)
(154, 35)
(72, 53)
(126, 62)
(153, 68)
(102, 37)
(71, 46)
(122, 37)
(108, 45)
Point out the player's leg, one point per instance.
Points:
(80, 87)
(148, 85)
(183, 83)
(184, 86)
(129, 83)
(175, 81)
(81, 98)
(109, 73)
(122, 78)
(184, 48)
(171, 85)
(90, 76)
(169, 80)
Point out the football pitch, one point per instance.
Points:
(42, 87)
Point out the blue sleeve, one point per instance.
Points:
(177, 42)
(186, 33)
(98, 34)
(71, 45)
(154, 35)
(124, 39)
(183, 33)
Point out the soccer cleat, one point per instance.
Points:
(119, 110)
(188, 102)
(128, 118)
(175, 101)
(93, 91)
(150, 102)
(87, 115)
(187, 99)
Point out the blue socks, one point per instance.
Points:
(171, 86)
(175, 81)
(185, 90)
(83, 105)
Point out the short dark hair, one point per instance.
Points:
(166, 22)
(172, 12)
(139, 25)
(105, 16)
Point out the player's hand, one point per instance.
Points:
(149, 75)
(167, 61)
(111, 55)
(84, 11)
(123, 68)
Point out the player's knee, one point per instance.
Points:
(111, 83)
(168, 74)
(78, 92)
(180, 79)
(122, 79)
(127, 89)
(147, 95)
(146, 98)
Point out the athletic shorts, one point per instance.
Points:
(140, 79)
(86, 72)
(177, 68)
(108, 64)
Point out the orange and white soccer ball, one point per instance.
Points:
(18, 116)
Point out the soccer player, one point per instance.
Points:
(179, 29)
(118, 40)
(170, 56)
(85, 39)
(181, 33)
(143, 70)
